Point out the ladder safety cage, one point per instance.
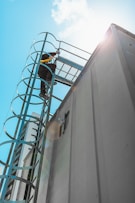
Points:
(25, 128)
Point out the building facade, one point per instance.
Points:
(93, 131)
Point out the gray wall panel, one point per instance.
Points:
(115, 128)
(93, 161)
(83, 164)
(60, 172)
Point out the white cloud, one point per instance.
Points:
(68, 10)
(82, 26)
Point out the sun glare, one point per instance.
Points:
(83, 26)
(92, 33)
(99, 27)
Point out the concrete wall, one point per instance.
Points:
(93, 160)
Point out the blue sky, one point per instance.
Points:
(78, 22)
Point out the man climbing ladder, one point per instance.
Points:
(44, 73)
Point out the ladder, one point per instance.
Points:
(23, 165)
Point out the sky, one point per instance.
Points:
(82, 23)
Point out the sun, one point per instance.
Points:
(97, 30)
(84, 27)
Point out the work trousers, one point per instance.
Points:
(46, 75)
